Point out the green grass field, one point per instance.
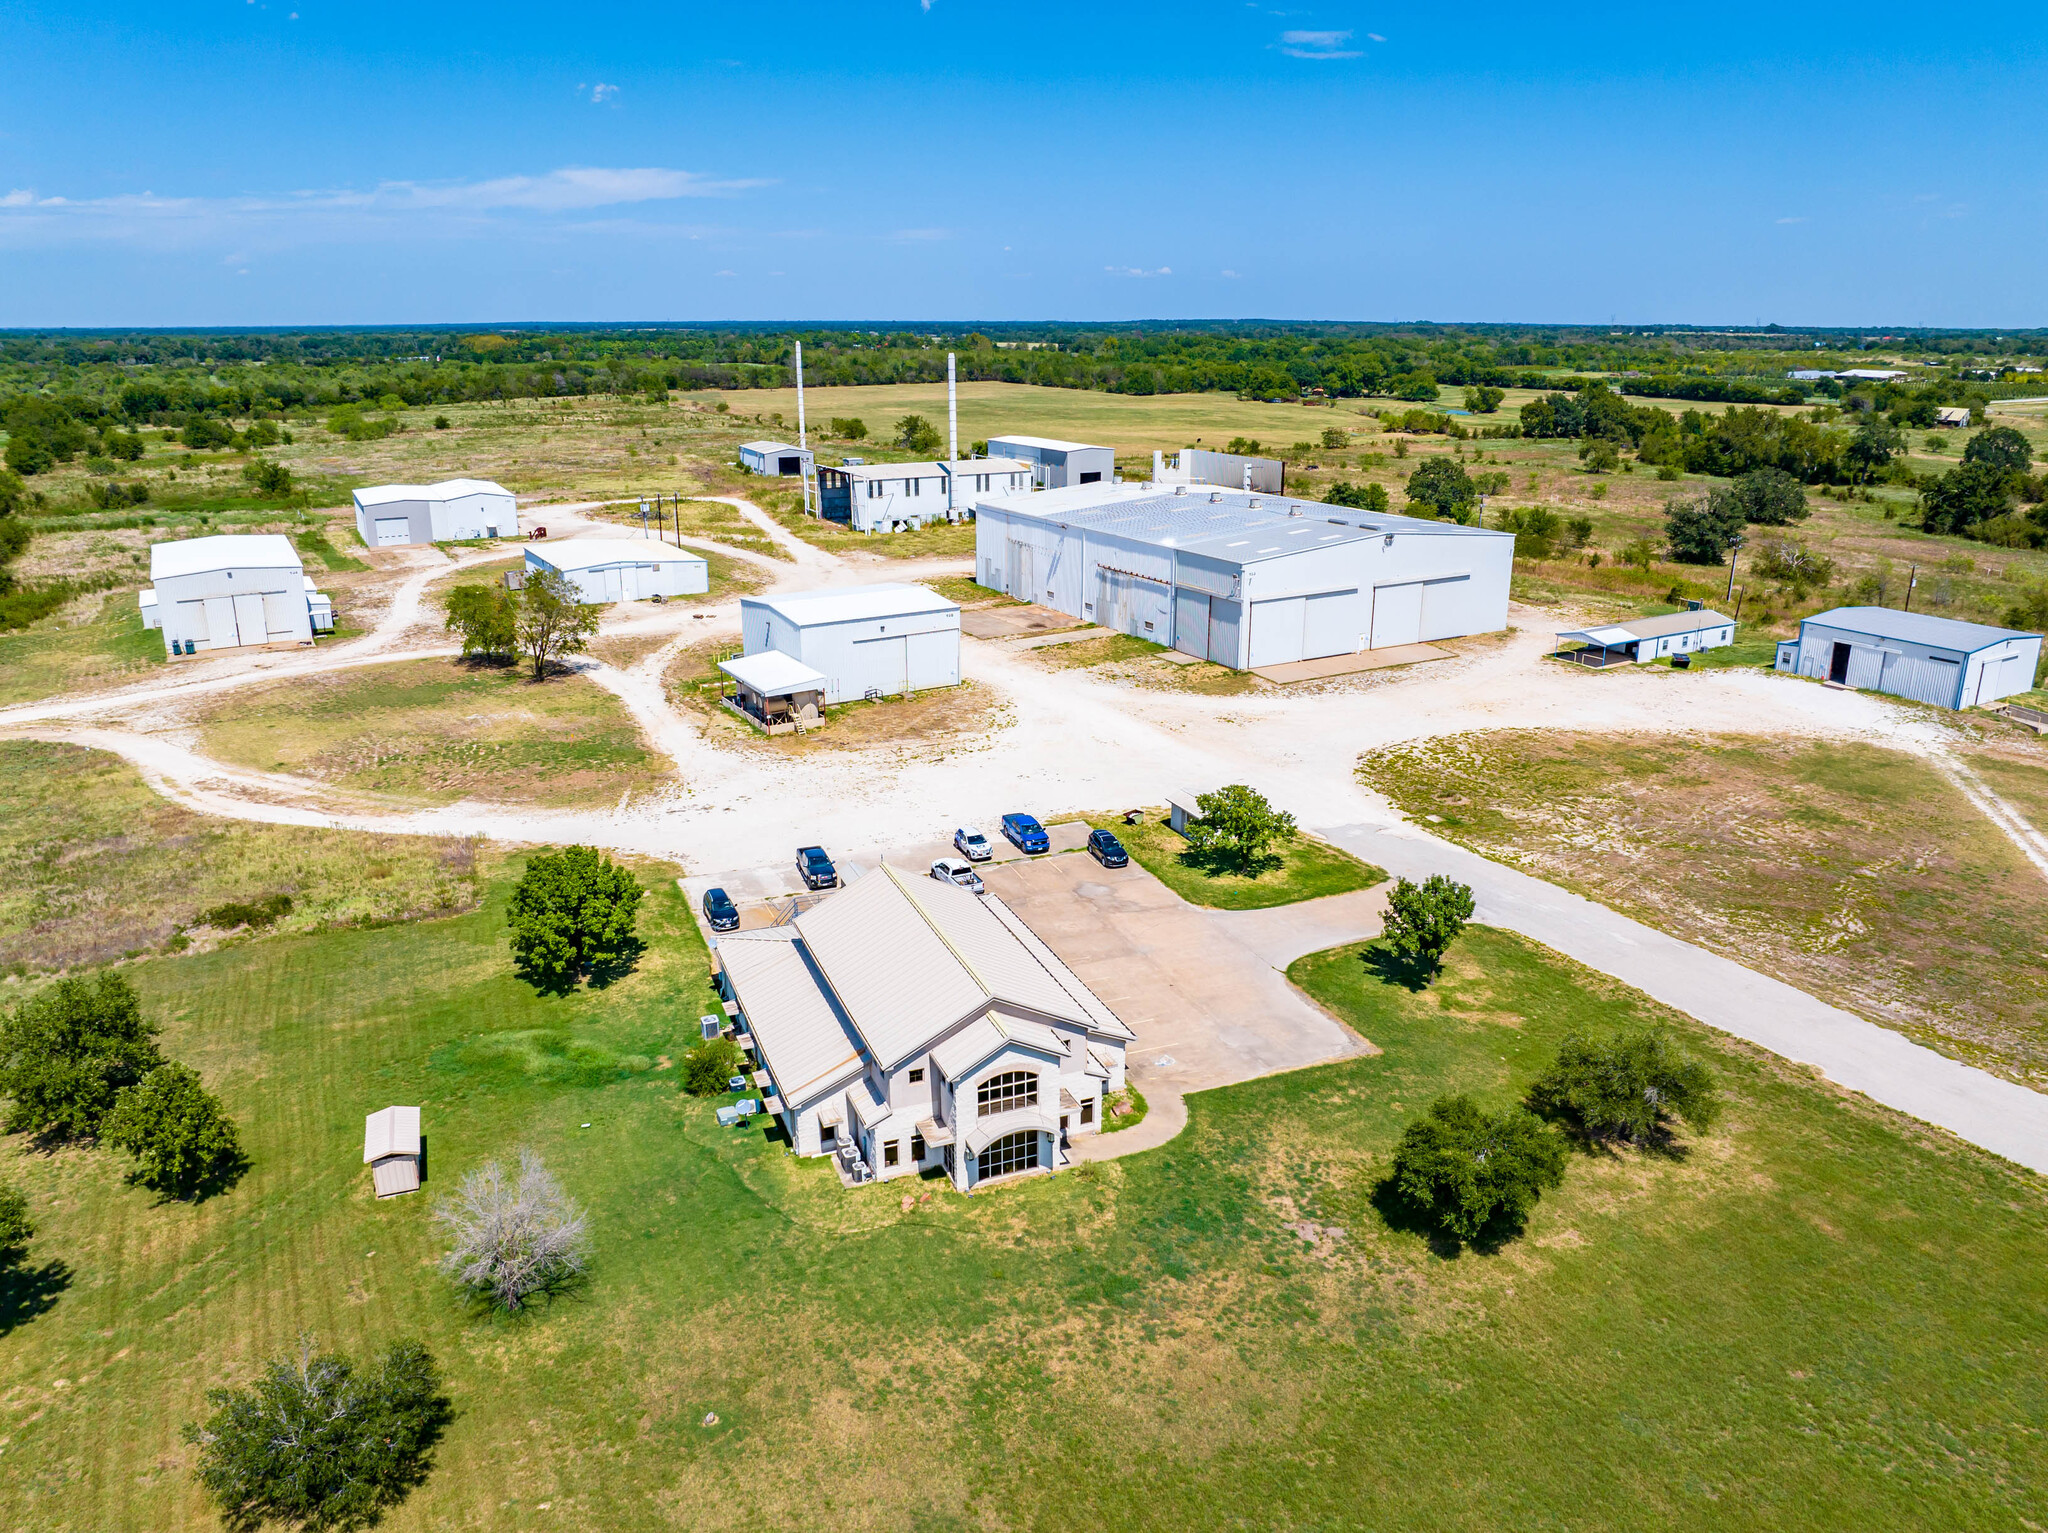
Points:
(1819, 1317)
(1309, 869)
(59, 655)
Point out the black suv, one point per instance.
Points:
(816, 868)
(1107, 850)
(720, 913)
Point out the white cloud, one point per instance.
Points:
(1138, 271)
(1317, 45)
(725, 274)
(1226, 272)
(20, 197)
(1374, 37)
(599, 93)
(1800, 220)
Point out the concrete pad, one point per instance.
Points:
(1013, 622)
(1078, 636)
(1287, 932)
(1351, 665)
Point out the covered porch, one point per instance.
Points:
(774, 692)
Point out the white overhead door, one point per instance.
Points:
(1332, 624)
(1276, 631)
(1397, 615)
(393, 529)
(646, 581)
(1023, 571)
(1225, 617)
(249, 618)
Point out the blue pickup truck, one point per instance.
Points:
(1026, 834)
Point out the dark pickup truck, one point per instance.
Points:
(816, 868)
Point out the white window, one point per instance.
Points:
(1001, 1093)
(1010, 1154)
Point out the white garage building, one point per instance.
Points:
(1057, 465)
(1243, 580)
(884, 639)
(1938, 660)
(389, 515)
(232, 591)
(776, 458)
(624, 569)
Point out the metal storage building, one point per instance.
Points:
(1938, 660)
(1243, 580)
(1057, 465)
(881, 639)
(624, 569)
(390, 515)
(232, 591)
(889, 497)
(777, 458)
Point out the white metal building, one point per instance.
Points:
(1243, 580)
(1651, 638)
(1938, 660)
(884, 639)
(1057, 465)
(624, 569)
(232, 591)
(1233, 471)
(906, 1023)
(388, 515)
(777, 458)
(891, 497)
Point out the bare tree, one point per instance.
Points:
(551, 620)
(514, 1239)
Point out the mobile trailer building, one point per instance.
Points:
(231, 591)
(624, 569)
(891, 497)
(886, 639)
(1243, 580)
(1057, 465)
(1938, 660)
(777, 458)
(392, 515)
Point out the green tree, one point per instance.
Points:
(1966, 497)
(1444, 489)
(1792, 566)
(1335, 437)
(849, 427)
(573, 913)
(1417, 386)
(2030, 613)
(318, 1444)
(271, 478)
(487, 618)
(28, 454)
(1701, 531)
(916, 434)
(708, 1066)
(1360, 497)
(1424, 919)
(1484, 398)
(17, 1229)
(1767, 497)
(550, 620)
(203, 432)
(182, 1140)
(67, 1053)
(2002, 447)
(13, 493)
(1239, 827)
(1627, 1087)
(1637, 553)
(1599, 455)
(1243, 447)
(1474, 1173)
(1876, 442)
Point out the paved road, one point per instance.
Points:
(2004, 1118)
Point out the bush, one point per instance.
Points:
(514, 1240)
(16, 1228)
(573, 913)
(708, 1066)
(441, 421)
(257, 915)
(110, 495)
(1336, 436)
(1792, 566)
(315, 1443)
(916, 434)
(1243, 447)
(1484, 398)
(849, 427)
(203, 432)
(268, 477)
(66, 1054)
(1473, 1173)
(487, 618)
(29, 455)
(1599, 455)
(1629, 1087)
(1360, 497)
(182, 1140)
(1424, 919)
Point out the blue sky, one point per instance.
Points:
(218, 162)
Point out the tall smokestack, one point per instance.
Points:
(952, 415)
(800, 395)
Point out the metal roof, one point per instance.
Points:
(1916, 627)
(1048, 444)
(598, 553)
(933, 469)
(805, 1038)
(391, 1131)
(1236, 526)
(773, 674)
(767, 447)
(847, 604)
(223, 551)
(446, 489)
(1650, 627)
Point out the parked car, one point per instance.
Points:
(1026, 834)
(816, 868)
(1104, 847)
(972, 844)
(720, 913)
(951, 870)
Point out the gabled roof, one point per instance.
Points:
(768, 447)
(446, 489)
(391, 1131)
(847, 604)
(223, 551)
(806, 1040)
(975, 1042)
(1663, 627)
(597, 553)
(1912, 627)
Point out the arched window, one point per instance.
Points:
(1000, 1093)
(1010, 1154)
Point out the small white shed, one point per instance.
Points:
(1938, 660)
(391, 1149)
(624, 569)
(392, 515)
(884, 639)
(231, 591)
(1649, 638)
(776, 458)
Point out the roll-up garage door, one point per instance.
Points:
(393, 529)
(1397, 615)
(1023, 571)
(1224, 620)
(1446, 611)
(1276, 631)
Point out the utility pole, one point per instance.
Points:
(1912, 580)
(1734, 554)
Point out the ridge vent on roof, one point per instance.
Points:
(925, 916)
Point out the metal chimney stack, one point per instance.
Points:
(952, 415)
(800, 441)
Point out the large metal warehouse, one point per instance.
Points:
(455, 509)
(1938, 660)
(1057, 465)
(624, 569)
(884, 639)
(232, 591)
(1243, 580)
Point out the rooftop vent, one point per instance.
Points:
(1253, 504)
(1215, 496)
(1180, 489)
(1294, 510)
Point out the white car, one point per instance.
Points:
(972, 844)
(951, 870)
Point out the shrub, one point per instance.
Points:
(1599, 455)
(203, 432)
(317, 1444)
(1360, 497)
(514, 1239)
(1470, 1172)
(572, 913)
(849, 427)
(255, 915)
(441, 421)
(1424, 919)
(1792, 566)
(1336, 436)
(1484, 398)
(916, 434)
(16, 1228)
(175, 1128)
(486, 617)
(268, 477)
(1629, 1087)
(708, 1066)
(67, 1053)
(1243, 447)
(110, 495)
